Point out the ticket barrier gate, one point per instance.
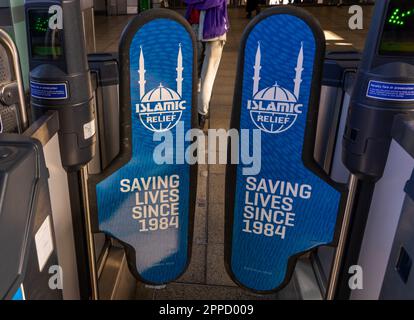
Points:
(383, 247)
(147, 205)
(49, 230)
(101, 166)
(266, 238)
(84, 92)
(398, 280)
(312, 272)
(114, 280)
(383, 92)
(26, 220)
(386, 265)
(26, 223)
(386, 246)
(113, 276)
(386, 251)
(388, 261)
(379, 238)
(105, 87)
(110, 258)
(339, 73)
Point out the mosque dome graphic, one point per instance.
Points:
(275, 109)
(161, 108)
(161, 94)
(275, 93)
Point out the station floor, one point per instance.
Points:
(206, 277)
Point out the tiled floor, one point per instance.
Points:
(206, 277)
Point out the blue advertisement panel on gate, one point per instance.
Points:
(290, 206)
(148, 203)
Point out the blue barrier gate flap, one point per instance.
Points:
(19, 294)
(285, 209)
(145, 204)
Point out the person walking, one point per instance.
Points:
(252, 5)
(210, 22)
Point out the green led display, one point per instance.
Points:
(41, 24)
(397, 38)
(44, 42)
(398, 17)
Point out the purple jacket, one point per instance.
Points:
(216, 21)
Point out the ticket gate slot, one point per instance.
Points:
(384, 88)
(339, 73)
(105, 82)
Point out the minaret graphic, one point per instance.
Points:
(257, 67)
(141, 72)
(298, 69)
(179, 71)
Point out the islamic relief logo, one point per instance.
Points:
(161, 108)
(275, 109)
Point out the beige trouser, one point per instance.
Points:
(209, 57)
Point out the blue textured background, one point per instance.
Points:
(161, 256)
(280, 37)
